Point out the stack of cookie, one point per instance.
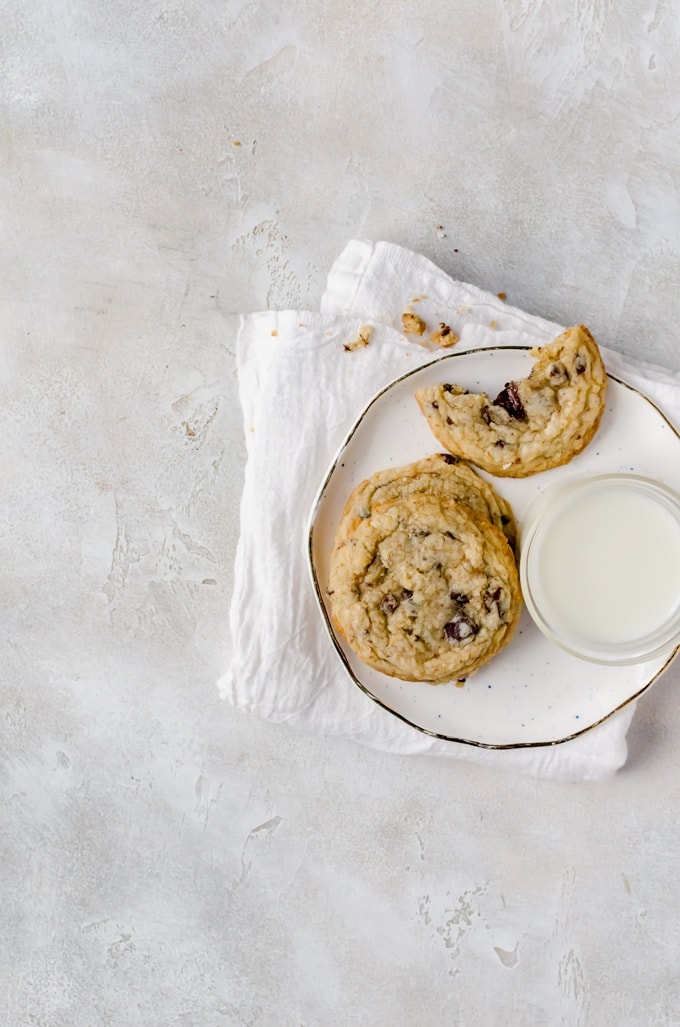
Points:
(423, 580)
(423, 583)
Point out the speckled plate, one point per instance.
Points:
(533, 692)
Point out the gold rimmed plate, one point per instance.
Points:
(533, 692)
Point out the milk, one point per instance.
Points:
(605, 565)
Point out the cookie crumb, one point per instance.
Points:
(445, 337)
(502, 295)
(362, 339)
(274, 332)
(412, 324)
(441, 234)
(492, 324)
(237, 142)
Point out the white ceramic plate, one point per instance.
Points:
(533, 692)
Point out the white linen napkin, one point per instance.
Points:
(300, 393)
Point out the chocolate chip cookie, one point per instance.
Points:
(438, 475)
(533, 424)
(425, 589)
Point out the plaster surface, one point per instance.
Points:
(165, 860)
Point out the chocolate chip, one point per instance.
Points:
(486, 414)
(509, 399)
(490, 598)
(499, 443)
(460, 628)
(558, 370)
(580, 364)
(448, 420)
(434, 404)
(406, 593)
(448, 459)
(389, 604)
(460, 597)
(447, 388)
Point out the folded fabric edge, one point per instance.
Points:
(360, 257)
(624, 366)
(567, 762)
(344, 277)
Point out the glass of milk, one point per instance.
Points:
(600, 567)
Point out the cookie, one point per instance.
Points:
(425, 589)
(412, 324)
(533, 424)
(444, 336)
(439, 475)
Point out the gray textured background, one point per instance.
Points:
(163, 859)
